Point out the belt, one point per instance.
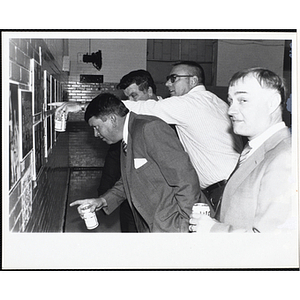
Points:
(215, 185)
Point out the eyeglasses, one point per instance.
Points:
(173, 77)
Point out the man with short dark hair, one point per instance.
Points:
(157, 176)
(136, 85)
(259, 195)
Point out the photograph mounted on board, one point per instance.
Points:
(27, 122)
(14, 136)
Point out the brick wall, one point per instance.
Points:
(78, 91)
(36, 203)
(51, 190)
(39, 204)
(84, 149)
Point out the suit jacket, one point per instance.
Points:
(258, 196)
(157, 178)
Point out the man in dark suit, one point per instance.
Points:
(260, 195)
(136, 85)
(157, 176)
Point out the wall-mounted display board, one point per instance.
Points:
(14, 136)
(26, 198)
(26, 122)
(47, 93)
(53, 99)
(37, 87)
(38, 142)
(48, 131)
(48, 84)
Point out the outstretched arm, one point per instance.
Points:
(71, 106)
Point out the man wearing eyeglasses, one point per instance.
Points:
(202, 124)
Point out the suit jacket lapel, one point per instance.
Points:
(248, 166)
(241, 174)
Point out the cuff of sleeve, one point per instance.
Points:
(111, 205)
(106, 210)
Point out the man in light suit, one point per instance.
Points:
(157, 176)
(259, 194)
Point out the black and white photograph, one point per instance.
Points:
(37, 86)
(151, 150)
(172, 146)
(14, 135)
(178, 132)
(26, 122)
(38, 149)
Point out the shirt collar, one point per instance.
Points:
(256, 142)
(125, 129)
(199, 87)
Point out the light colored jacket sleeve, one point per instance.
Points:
(276, 199)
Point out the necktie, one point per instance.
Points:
(124, 146)
(244, 154)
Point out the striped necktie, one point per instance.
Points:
(124, 146)
(244, 154)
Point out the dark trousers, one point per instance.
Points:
(214, 199)
(110, 175)
(126, 218)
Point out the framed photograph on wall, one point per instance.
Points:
(26, 122)
(53, 99)
(38, 155)
(47, 88)
(48, 138)
(47, 108)
(53, 89)
(26, 198)
(37, 87)
(14, 136)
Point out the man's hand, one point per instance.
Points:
(67, 107)
(96, 204)
(201, 223)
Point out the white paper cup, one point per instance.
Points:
(60, 122)
(201, 208)
(89, 217)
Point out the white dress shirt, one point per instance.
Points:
(204, 129)
(125, 129)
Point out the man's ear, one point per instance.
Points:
(113, 119)
(194, 81)
(274, 102)
(150, 91)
